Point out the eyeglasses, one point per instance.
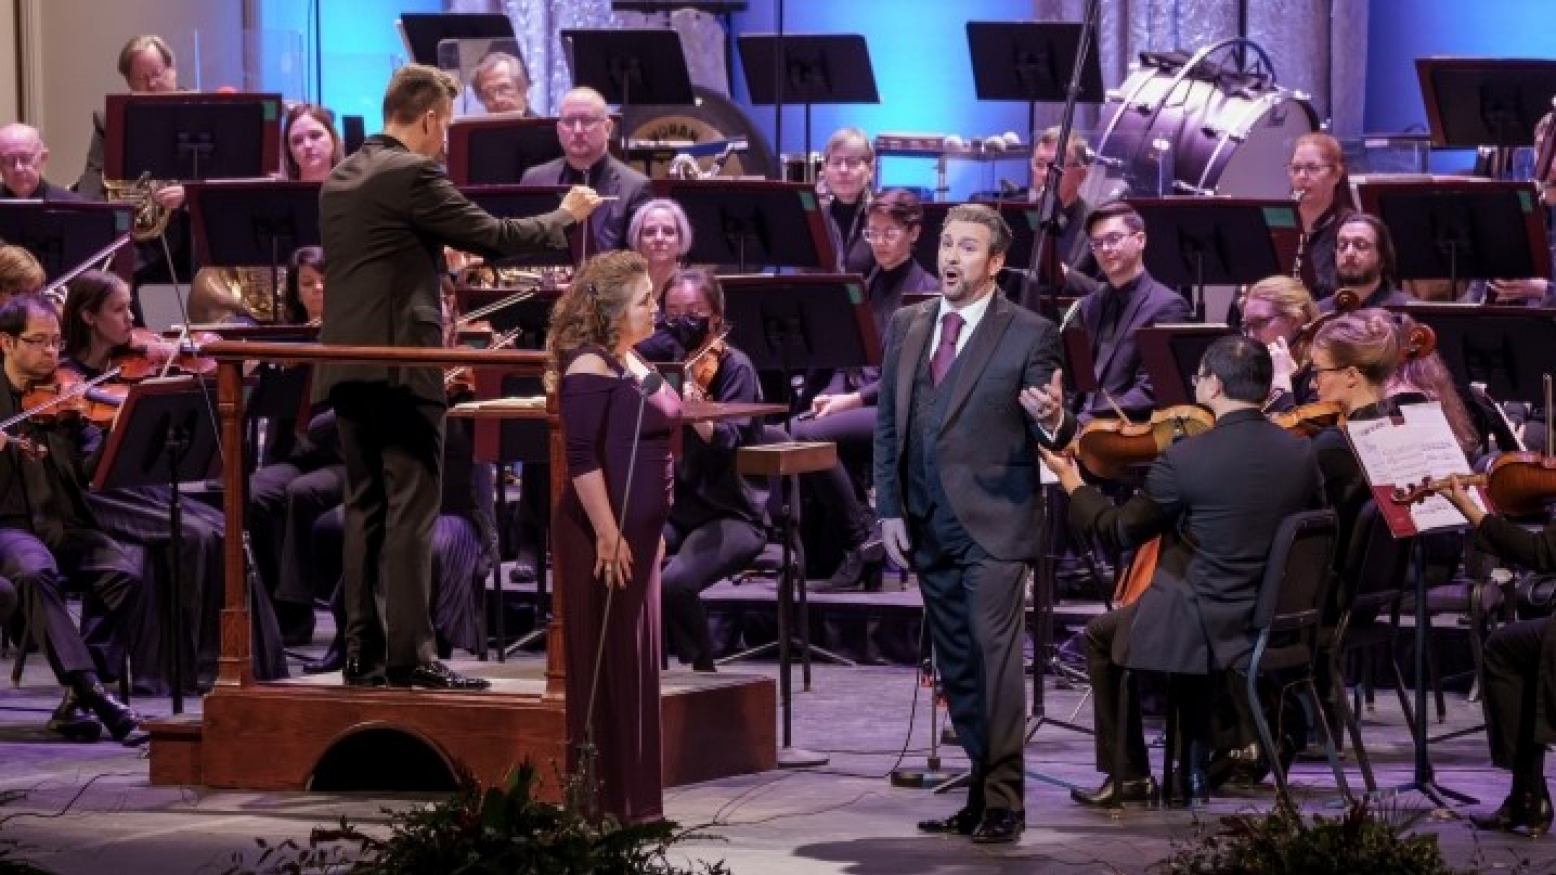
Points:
(1194, 380)
(1253, 326)
(580, 122)
(21, 160)
(845, 163)
(888, 235)
(1109, 241)
(52, 342)
(1309, 169)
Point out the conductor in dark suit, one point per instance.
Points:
(584, 127)
(385, 216)
(1216, 501)
(969, 385)
(1128, 301)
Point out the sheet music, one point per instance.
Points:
(1400, 455)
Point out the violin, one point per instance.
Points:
(1309, 419)
(704, 362)
(66, 396)
(1108, 448)
(147, 355)
(1345, 301)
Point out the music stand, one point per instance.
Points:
(64, 234)
(1485, 101)
(630, 67)
(810, 320)
(1203, 241)
(1506, 348)
(165, 434)
(1171, 354)
(1030, 62)
(423, 32)
(249, 222)
(752, 222)
(189, 135)
(521, 201)
(830, 69)
(497, 149)
(1462, 228)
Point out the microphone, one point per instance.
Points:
(648, 386)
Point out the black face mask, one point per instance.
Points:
(688, 331)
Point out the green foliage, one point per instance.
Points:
(1282, 841)
(475, 832)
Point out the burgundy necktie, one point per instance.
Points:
(945, 351)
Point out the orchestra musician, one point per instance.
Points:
(1081, 273)
(607, 532)
(660, 232)
(501, 83)
(584, 126)
(717, 522)
(147, 64)
(1275, 311)
(847, 170)
(313, 146)
(23, 157)
(1129, 300)
(49, 536)
(1216, 500)
(20, 272)
(1529, 291)
(1365, 263)
(844, 412)
(970, 383)
(385, 215)
(1317, 173)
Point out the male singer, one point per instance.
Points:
(385, 215)
(970, 383)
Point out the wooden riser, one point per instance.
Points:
(272, 736)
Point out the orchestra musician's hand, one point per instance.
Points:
(894, 535)
(169, 197)
(612, 559)
(1518, 291)
(1285, 365)
(1459, 497)
(581, 200)
(826, 405)
(1064, 467)
(1045, 404)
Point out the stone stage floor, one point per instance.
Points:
(90, 809)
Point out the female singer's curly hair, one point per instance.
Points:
(590, 310)
(1425, 372)
(85, 294)
(1367, 340)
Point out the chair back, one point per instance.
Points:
(1296, 577)
(1373, 575)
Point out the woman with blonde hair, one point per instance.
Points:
(1275, 310)
(619, 425)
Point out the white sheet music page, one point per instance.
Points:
(1406, 454)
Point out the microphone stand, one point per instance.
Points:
(586, 791)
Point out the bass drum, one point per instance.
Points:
(1180, 127)
(713, 117)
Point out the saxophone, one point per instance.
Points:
(150, 218)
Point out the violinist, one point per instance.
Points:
(844, 412)
(1317, 174)
(1275, 310)
(1216, 500)
(49, 535)
(1365, 263)
(98, 331)
(717, 522)
(20, 272)
(660, 232)
(1518, 680)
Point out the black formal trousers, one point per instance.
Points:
(110, 580)
(1510, 697)
(1119, 739)
(973, 604)
(285, 500)
(392, 444)
(699, 558)
(833, 490)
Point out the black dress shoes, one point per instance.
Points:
(357, 673)
(860, 568)
(999, 826)
(1190, 789)
(1132, 793)
(119, 719)
(962, 823)
(435, 676)
(74, 720)
(1530, 812)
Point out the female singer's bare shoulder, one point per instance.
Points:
(590, 362)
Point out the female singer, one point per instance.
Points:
(716, 524)
(848, 168)
(1274, 311)
(660, 232)
(607, 531)
(845, 411)
(1317, 172)
(96, 325)
(1519, 673)
(313, 148)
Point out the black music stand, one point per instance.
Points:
(1485, 101)
(1478, 231)
(752, 222)
(1030, 62)
(165, 435)
(631, 67)
(63, 234)
(1506, 348)
(1194, 242)
(190, 135)
(830, 69)
(423, 32)
(497, 149)
(1171, 356)
(249, 222)
(519, 201)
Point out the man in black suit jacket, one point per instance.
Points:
(385, 216)
(1129, 300)
(23, 156)
(584, 127)
(969, 384)
(1215, 500)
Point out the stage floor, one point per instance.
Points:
(844, 817)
